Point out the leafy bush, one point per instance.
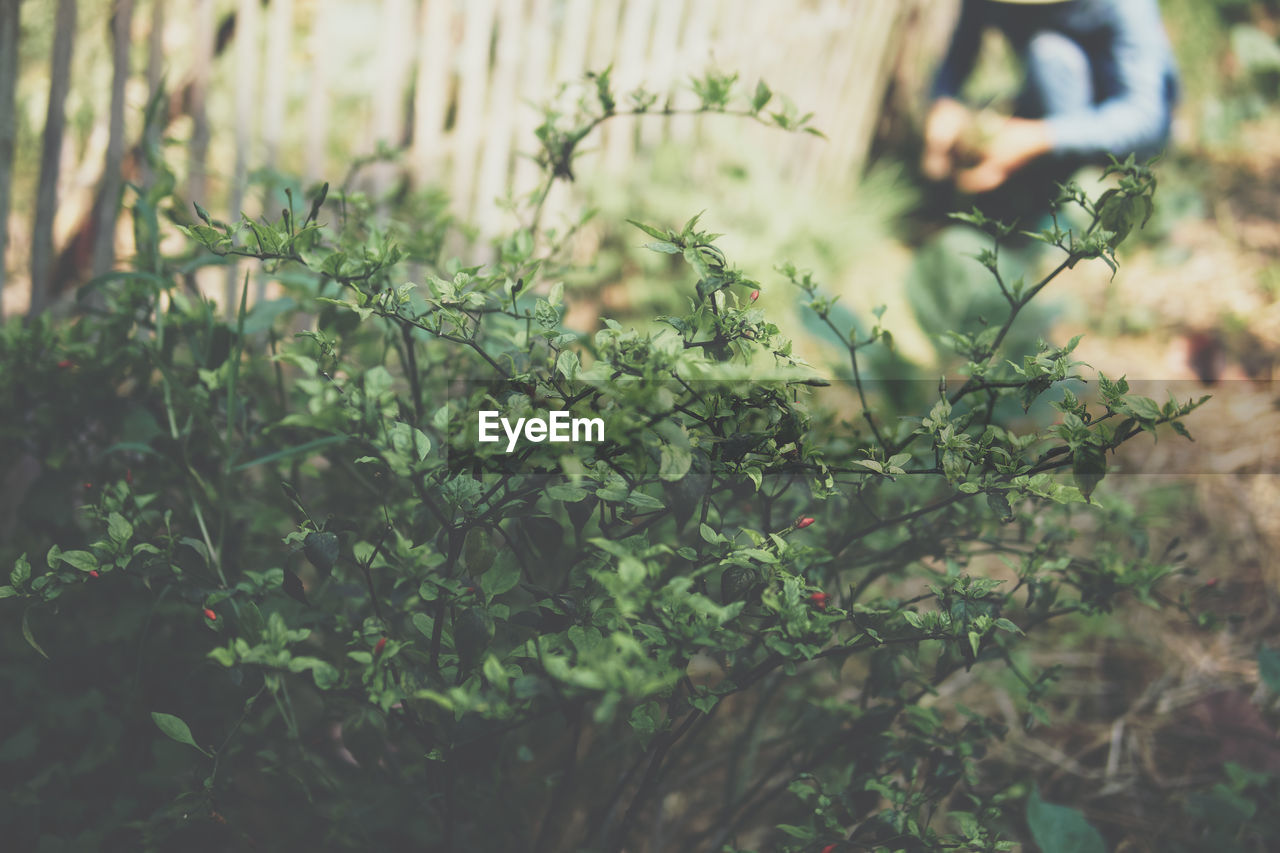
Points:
(304, 606)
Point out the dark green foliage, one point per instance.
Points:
(736, 596)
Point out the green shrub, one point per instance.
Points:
(303, 607)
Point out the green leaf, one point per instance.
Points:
(675, 462)
(421, 444)
(292, 451)
(567, 364)
(1143, 408)
(648, 229)
(29, 637)
(566, 492)
(7, 592)
(1269, 668)
(21, 572)
(1006, 625)
(1089, 465)
(321, 549)
(1059, 829)
(175, 729)
(804, 833)
(546, 314)
(119, 528)
(82, 560)
(502, 577)
(761, 97)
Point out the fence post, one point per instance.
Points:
(104, 237)
(51, 155)
(8, 121)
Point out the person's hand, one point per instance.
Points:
(1014, 145)
(943, 127)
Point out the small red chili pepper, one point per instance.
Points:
(804, 522)
(820, 600)
(93, 573)
(828, 848)
(755, 294)
(88, 486)
(1211, 583)
(382, 644)
(65, 363)
(128, 476)
(210, 615)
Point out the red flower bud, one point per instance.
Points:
(88, 486)
(93, 573)
(755, 294)
(382, 644)
(65, 363)
(210, 615)
(820, 600)
(1211, 583)
(802, 523)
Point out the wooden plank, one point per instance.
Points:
(629, 69)
(9, 28)
(275, 73)
(387, 123)
(319, 103)
(575, 34)
(535, 89)
(473, 91)
(51, 156)
(695, 55)
(247, 54)
(662, 65)
(112, 184)
(432, 88)
(494, 179)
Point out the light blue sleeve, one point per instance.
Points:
(1136, 117)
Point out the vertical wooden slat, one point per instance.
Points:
(663, 64)
(247, 52)
(695, 56)
(275, 73)
(633, 42)
(494, 177)
(432, 88)
(9, 27)
(318, 102)
(51, 155)
(571, 59)
(104, 240)
(202, 59)
(155, 75)
(473, 90)
(155, 48)
(387, 125)
(534, 91)
(864, 83)
(601, 52)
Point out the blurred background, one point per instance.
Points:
(422, 104)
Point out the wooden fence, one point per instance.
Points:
(308, 85)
